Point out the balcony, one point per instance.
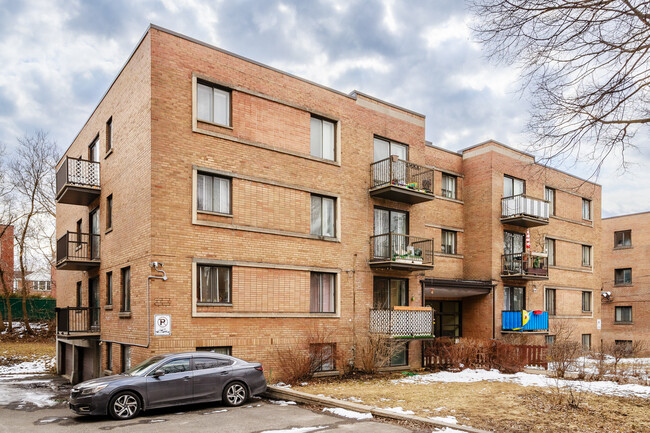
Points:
(536, 321)
(525, 266)
(403, 181)
(77, 182)
(77, 321)
(524, 211)
(401, 252)
(403, 322)
(77, 251)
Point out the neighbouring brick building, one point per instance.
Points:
(39, 283)
(280, 209)
(7, 256)
(626, 279)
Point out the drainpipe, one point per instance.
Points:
(163, 277)
(494, 335)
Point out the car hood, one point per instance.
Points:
(105, 379)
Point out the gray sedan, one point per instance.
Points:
(170, 380)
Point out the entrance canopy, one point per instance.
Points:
(435, 288)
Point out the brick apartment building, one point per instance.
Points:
(626, 279)
(278, 208)
(7, 255)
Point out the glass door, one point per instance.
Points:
(93, 303)
(513, 248)
(447, 318)
(94, 234)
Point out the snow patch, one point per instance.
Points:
(282, 402)
(297, 429)
(348, 413)
(399, 410)
(40, 365)
(447, 419)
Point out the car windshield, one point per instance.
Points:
(141, 369)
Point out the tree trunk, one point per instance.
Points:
(28, 328)
(6, 293)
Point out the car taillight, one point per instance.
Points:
(260, 368)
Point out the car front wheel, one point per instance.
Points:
(235, 394)
(124, 405)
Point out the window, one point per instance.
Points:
(213, 104)
(322, 356)
(586, 302)
(222, 350)
(586, 255)
(513, 186)
(626, 345)
(550, 340)
(213, 284)
(623, 276)
(126, 290)
(126, 357)
(93, 150)
(79, 294)
(399, 354)
(176, 366)
(586, 209)
(322, 216)
(322, 293)
(550, 250)
(109, 288)
(514, 298)
(448, 242)
(213, 193)
(109, 356)
(623, 239)
(383, 149)
(109, 134)
(448, 186)
(389, 292)
(586, 342)
(15, 285)
(322, 138)
(207, 363)
(549, 196)
(623, 314)
(550, 302)
(42, 286)
(109, 212)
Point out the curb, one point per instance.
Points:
(303, 397)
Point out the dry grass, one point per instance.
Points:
(496, 406)
(15, 352)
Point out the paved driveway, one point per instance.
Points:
(33, 404)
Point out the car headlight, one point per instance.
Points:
(94, 389)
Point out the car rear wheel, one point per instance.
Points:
(124, 405)
(235, 394)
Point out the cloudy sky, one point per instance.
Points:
(59, 57)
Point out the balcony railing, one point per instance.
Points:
(524, 211)
(398, 180)
(77, 320)
(413, 322)
(77, 251)
(77, 181)
(513, 320)
(398, 251)
(528, 266)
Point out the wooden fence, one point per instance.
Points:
(535, 356)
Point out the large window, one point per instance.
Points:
(212, 193)
(448, 186)
(513, 186)
(549, 196)
(126, 289)
(514, 298)
(109, 288)
(550, 250)
(623, 314)
(322, 356)
(322, 216)
(623, 276)
(384, 149)
(550, 302)
(586, 302)
(213, 104)
(322, 291)
(322, 138)
(448, 242)
(214, 284)
(586, 255)
(586, 209)
(623, 239)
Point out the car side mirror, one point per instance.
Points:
(158, 373)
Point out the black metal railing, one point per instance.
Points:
(70, 320)
(525, 264)
(524, 205)
(396, 172)
(402, 322)
(77, 246)
(77, 172)
(401, 248)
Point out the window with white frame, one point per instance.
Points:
(586, 301)
(549, 196)
(513, 186)
(586, 209)
(213, 284)
(586, 255)
(586, 342)
(322, 216)
(213, 193)
(448, 242)
(213, 104)
(550, 250)
(322, 133)
(448, 185)
(322, 293)
(514, 298)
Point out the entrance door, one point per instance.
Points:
(94, 234)
(93, 303)
(447, 318)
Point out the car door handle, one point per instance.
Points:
(223, 373)
(186, 378)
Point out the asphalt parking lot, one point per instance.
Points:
(37, 403)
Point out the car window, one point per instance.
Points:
(205, 363)
(176, 366)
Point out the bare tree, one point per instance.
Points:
(587, 66)
(7, 218)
